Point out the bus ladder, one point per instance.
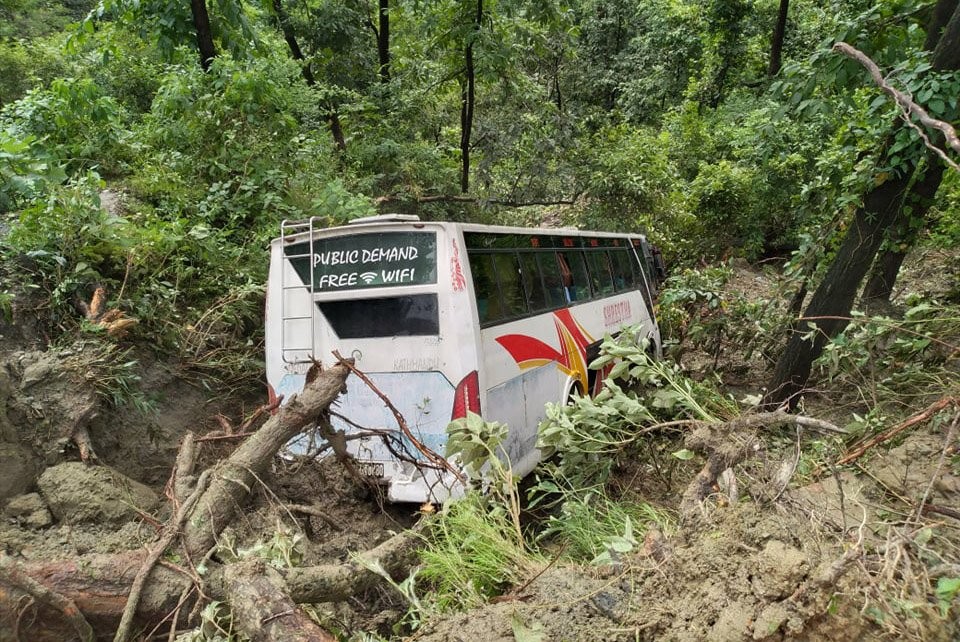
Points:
(290, 229)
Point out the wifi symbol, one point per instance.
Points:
(368, 277)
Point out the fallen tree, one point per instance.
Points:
(104, 596)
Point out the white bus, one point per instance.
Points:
(447, 318)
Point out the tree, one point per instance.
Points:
(904, 234)
(882, 206)
(383, 39)
(201, 24)
(468, 99)
(290, 36)
(776, 44)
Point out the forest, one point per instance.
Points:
(789, 470)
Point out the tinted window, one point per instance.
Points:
(601, 277)
(489, 307)
(552, 279)
(402, 316)
(511, 286)
(623, 269)
(574, 272)
(532, 283)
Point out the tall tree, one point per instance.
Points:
(776, 44)
(902, 236)
(468, 99)
(833, 300)
(290, 36)
(383, 39)
(201, 24)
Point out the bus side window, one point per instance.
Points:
(533, 284)
(489, 307)
(550, 267)
(623, 274)
(511, 286)
(600, 273)
(579, 288)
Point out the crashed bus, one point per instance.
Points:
(445, 319)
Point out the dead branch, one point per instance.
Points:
(907, 106)
(261, 608)
(67, 607)
(315, 512)
(233, 478)
(459, 198)
(435, 459)
(183, 477)
(727, 444)
(856, 451)
(173, 529)
(336, 582)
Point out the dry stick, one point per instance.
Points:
(51, 598)
(947, 444)
(941, 510)
(316, 512)
(858, 450)
(433, 457)
(906, 105)
(173, 530)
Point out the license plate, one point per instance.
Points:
(370, 469)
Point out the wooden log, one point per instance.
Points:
(261, 608)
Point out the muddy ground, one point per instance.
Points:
(771, 565)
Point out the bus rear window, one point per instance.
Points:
(372, 260)
(402, 316)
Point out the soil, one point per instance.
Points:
(749, 570)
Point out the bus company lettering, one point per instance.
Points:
(373, 255)
(616, 313)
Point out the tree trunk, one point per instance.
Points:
(261, 608)
(336, 130)
(776, 45)
(881, 209)
(902, 236)
(383, 40)
(201, 23)
(467, 97)
(98, 587)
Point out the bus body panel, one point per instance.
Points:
(507, 371)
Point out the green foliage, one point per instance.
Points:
(73, 120)
(582, 442)
(72, 241)
(216, 625)
(111, 370)
(25, 171)
(889, 360)
(947, 590)
(26, 65)
(471, 554)
(696, 309)
(592, 527)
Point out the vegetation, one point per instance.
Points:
(152, 148)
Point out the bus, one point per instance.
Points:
(447, 319)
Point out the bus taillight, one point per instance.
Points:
(467, 397)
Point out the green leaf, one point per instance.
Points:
(683, 454)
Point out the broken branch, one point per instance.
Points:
(906, 104)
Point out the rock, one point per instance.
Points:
(17, 470)
(29, 510)
(780, 570)
(76, 493)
